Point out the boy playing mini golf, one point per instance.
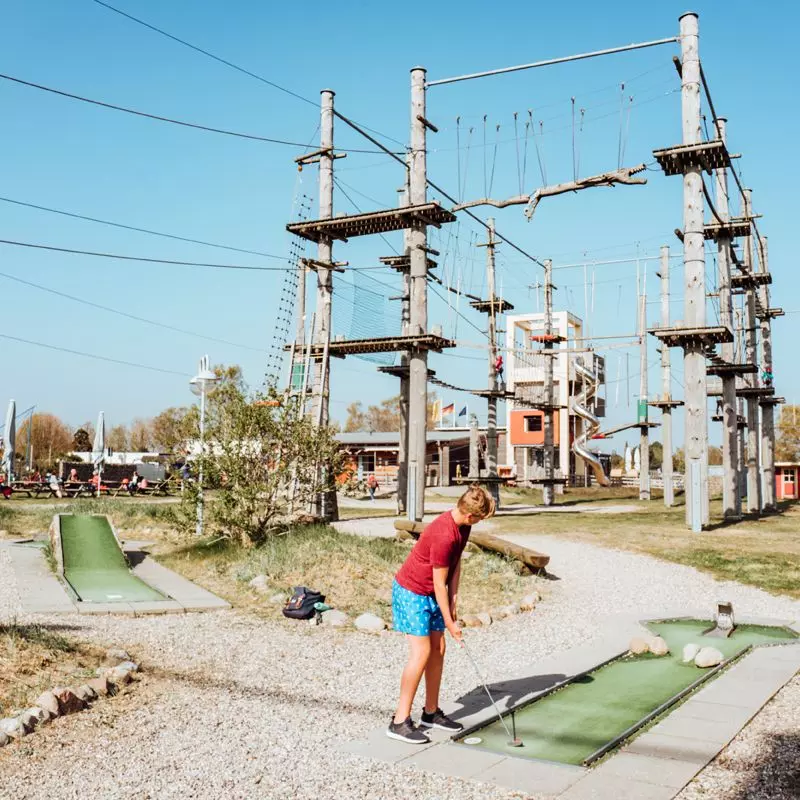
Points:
(424, 605)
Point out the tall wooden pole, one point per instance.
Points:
(731, 498)
(694, 360)
(666, 387)
(644, 430)
(768, 407)
(418, 359)
(548, 488)
(491, 420)
(405, 329)
(754, 502)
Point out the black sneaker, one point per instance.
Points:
(406, 731)
(438, 719)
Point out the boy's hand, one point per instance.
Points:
(456, 632)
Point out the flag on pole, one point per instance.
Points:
(462, 412)
(448, 410)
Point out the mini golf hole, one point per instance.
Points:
(473, 740)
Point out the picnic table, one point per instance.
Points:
(31, 488)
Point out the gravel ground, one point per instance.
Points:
(234, 707)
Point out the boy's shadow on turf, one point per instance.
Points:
(508, 694)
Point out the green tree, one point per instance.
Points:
(140, 438)
(50, 439)
(679, 460)
(81, 443)
(117, 438)
(170, 429)
(787, 438)
(656, 455)
(714, 455)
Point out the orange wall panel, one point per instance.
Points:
(518, 434)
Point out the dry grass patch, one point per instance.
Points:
(354, 572)
(34, 658)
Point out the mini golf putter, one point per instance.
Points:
(725, 625)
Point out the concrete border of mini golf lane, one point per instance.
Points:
(655, 765)
(41, 592)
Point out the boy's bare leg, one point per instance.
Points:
(419, 649)
(433, 671)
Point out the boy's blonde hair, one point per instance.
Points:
(477, 502)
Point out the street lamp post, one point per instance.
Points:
(200, 385)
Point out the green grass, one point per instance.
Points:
(354, 572)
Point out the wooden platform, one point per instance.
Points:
(385, 344)
(735, 228)
(665, 403)
(547, 338)
(772, 401)
(723, 368)
(403, 263)
(750, 280)
(500, 305)
(771, 313)
(682, 157)
(755, 391)
(395, 219)
(402, 371)
(688, 337)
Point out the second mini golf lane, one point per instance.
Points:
(95, 566)
(572, 723)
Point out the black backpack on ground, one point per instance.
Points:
(301, 603)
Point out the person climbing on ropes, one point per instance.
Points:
(498, 368)
(424, 596)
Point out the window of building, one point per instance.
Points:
(788, 476)
(533, 424)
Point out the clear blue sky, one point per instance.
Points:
(71, 156)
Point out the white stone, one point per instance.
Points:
(657, 646)
(117, 654)
(512, 609)
(499, 613)
(278, 599)
(4, 739)
(335, 618)
(471, 621)
(369, 622)
(529, 601)
(260, 583)
(49, 702)
(689, 652)
(485, 618)
(708, 657)
(86, 693)
(638, 646)
(12, 727)
(131, 666)
(120, 676)
(34, 717)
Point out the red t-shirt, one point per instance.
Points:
(440, 545)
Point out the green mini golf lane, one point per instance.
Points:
(94, 565)
(572, 723)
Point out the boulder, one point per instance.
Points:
(512, 609)
(485, 617)
(528, 603)
(335, 618)
(471, 621)
(86, 693)
(4, 739)
(638, 646)
(68, 701)
(689, 652)
(499, 613)
(116, 655)
(12, 727)
(657, 646)
(260, 583)
(49, 702)
(131, 666)
(369, 622)
(99, 686)
(120, 676)
(278, 599)
(708, 657)
(34, 717)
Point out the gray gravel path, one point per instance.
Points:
(234, 707)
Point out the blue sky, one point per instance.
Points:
(71, 156)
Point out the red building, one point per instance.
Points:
(787, 478)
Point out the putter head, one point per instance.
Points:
(515, 742)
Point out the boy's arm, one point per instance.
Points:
(452, 588)
(441, 592)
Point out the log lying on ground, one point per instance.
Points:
(532, 559)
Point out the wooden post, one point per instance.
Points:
(694, 359)
(549, 474)
(474, 449)
(754, 503)
(405, 329)
(768, 408)
(491, 418)
(731, 498)
(418, 358)
(644, 430)
(666, 384)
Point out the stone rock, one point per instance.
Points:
(99, 686)
(638, 646)
(116, 655)
(120, 676)
(708, 657)
(512, 609)
(278, 599)
(689, 652)
(260, 583)
(529, 602)
(657, 646)
(131, 666)
(4, 739)
(335, 618)
(49, 702)
(34, 717)
(499, 613)
(485, 618)
(86, 693)
(12, 727)
(68, 701)
(369, 622)
(471, 621)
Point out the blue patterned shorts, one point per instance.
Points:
(416, 614)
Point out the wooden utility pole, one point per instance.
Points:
(666, 387)
(548, 491)
(491, 419)
(418, 322)
(731, 498)
(405, 330)
(767, 404)
(644, 429)
(754, 503)
(694, 359)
